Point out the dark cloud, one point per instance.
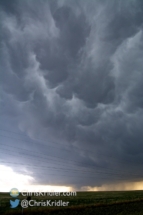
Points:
(72, 80)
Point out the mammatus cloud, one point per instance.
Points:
(72, 83)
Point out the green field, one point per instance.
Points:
(110, 203)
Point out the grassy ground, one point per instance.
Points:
(104, 203)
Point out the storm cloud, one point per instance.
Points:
(72, 90)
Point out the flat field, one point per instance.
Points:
(101, 203)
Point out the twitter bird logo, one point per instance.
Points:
(15, 203)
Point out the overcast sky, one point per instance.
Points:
(72, 90)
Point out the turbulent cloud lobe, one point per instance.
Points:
(72, 79)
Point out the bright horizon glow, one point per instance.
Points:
(23, 182)
(124, 186)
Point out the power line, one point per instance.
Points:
(81, 177)
(42, 143)
(114, 158)
(71, 161)
(44, 158)
(77, 170)
(43, 167)
(48, 158)
(46, 155)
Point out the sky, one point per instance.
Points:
(71, 91)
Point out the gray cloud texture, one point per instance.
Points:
(72, 83)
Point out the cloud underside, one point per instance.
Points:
(72, 77)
